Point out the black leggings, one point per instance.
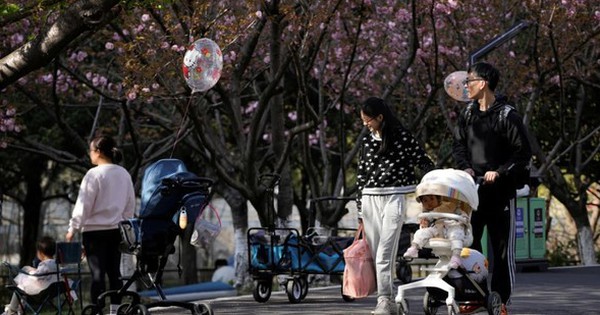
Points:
(104, 258)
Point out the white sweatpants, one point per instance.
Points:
(383, 212)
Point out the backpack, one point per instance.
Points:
(522, 173)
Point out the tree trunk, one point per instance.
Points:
(32, 210)
(578, 212)
(239, 215)
(586, 246)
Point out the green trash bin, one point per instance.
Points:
(530, 234)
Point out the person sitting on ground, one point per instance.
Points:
(223, 272)
(453, 230)
(33, 280)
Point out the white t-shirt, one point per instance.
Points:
(225, 274)
(106, 197)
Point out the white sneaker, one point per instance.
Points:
(8, 311)
(384, 307)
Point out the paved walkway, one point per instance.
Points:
(557, 291)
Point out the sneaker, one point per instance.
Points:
(384, 307)
(411, 252)
(9, 311)
(454, 262)
(468, 308)
(503, 310)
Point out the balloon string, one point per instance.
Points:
(179, 129)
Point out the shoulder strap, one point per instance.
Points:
(504, 112)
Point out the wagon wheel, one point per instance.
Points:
(294, 290)
(262, 290)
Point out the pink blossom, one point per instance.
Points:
(155, 86)
(81, 55)
(293, 116)
(251, 107)
(16, 39)
(258, 14)
(131, 96)
(47, 78)
(109, 46)
(145, 17)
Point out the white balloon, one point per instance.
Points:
(455, 86)
(202, 65)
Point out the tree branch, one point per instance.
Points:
(82, 16)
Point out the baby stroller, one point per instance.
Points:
(172, 198)
(445, 286)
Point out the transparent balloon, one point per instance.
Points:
(202, 65)
(455, 87)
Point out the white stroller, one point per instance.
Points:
(446, 286)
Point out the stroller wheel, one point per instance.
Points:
(262, 290)
(430, 305)
(131, 309)
(203, 309)
(125, 309)
(494, 303)
(91, 309)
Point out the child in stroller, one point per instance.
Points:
(466, 284)
(454, 230)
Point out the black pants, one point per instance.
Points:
(497, 214)
(104, 259)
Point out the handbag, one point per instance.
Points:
(359, 273)
(205, 231)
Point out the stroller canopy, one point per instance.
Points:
(450, 183)
(154, 174)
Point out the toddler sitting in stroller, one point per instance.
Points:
(453, 230)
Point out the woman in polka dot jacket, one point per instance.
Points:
(386, 172)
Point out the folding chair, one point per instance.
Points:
(59, 294)
(68, 261)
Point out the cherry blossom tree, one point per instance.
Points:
(294, 74)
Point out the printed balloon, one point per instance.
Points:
(202, 65)
(455, 87)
